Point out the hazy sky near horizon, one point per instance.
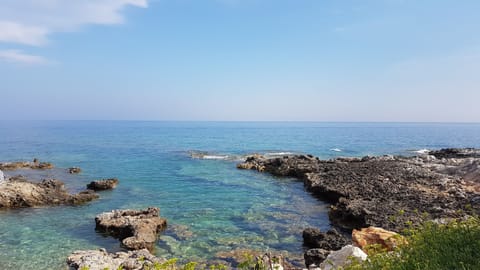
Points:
(279, 60)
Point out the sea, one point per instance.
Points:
(188, 170)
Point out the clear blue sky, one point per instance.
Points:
(307, 60)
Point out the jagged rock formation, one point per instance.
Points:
(330, 240)
(104, 184)
(17, 192)
(386, 191)
(137, 229)
(101, 259)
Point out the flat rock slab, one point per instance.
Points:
(387, 191)
(35, 164)
(101, 259)
(21, 193)
(104, 184)
(137, 229)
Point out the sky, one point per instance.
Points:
(240, 60)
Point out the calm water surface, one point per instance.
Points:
(211, 206)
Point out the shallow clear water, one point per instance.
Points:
(210, 205)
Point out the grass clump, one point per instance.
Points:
(454, 245)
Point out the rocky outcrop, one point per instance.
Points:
(101, 259)
(366, 237)
(137, 229)
(74, 170)
(104, 184)
(386, 191)
(21, 193)
(330, 240)
(343, 257)
(35, 164)
(315, 256)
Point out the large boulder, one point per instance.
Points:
(104, 184)
(137, 229)
(17, 193)
(343, 257)
(376, 236)
(101, 259)
(330, 240)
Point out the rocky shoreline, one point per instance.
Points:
(391, 192)
(371, 198)
(371, 194)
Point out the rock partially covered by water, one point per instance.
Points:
(330, 240)
(343, 257)
(386, 191)
(104, 184)
(455, 153)
(35, 164)
(74, 170)
(137, 229)
(376, 236)
(101, 259)
(21, 193)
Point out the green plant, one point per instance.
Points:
(455, 245)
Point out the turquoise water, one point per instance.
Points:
(210, 205)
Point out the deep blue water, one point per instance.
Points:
(210, 205)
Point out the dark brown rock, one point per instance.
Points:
(73, 170)
(104, 184)
(315, 256)
(330, 240)
(137, 229)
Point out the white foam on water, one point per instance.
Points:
(214, 157)
(422, 151)
(336, 150)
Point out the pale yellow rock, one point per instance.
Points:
(376, 236)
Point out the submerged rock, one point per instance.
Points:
(343, 257)
(376, 236)
(101, 259)
(137, 229)
(17, 193)
(104, 184)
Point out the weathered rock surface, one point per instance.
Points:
(8, 166)
(104, 184)
(343, 257)
(376, 236)
(74, 170)
(315, 256)
(386, 191)
(17, 192)
(101, 259)
(137, 229)
(330, 240)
